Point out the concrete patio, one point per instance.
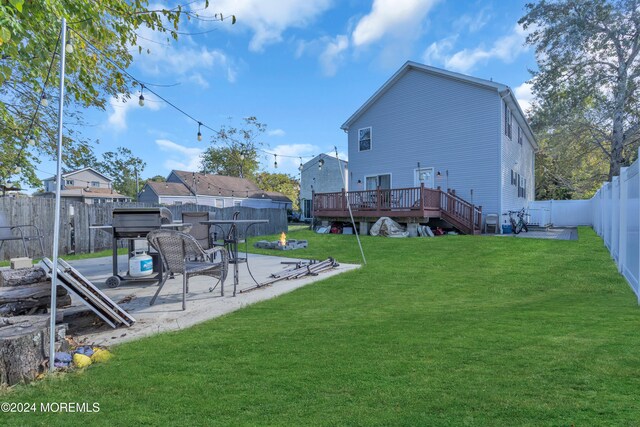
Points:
(167, 314)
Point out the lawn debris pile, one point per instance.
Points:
(297, 270)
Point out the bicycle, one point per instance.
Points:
(520, 224)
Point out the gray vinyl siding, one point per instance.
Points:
(443, 123)
(520, 159)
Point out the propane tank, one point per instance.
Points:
(140, 264)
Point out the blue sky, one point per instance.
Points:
(302, 68)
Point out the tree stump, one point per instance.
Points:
(24, 348)
(22, 276)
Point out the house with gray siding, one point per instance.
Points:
(462, 138)
(183, 187)
(84, 185)
(320, 175)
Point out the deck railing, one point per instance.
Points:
(416, 202)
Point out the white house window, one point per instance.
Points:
(219, 203)
(522, 187)
(177, 203)
(508, 121)
(514, 178)
(382, 181)
(519, 135)
(68, 182)
(237, 203)
(95, 183)
(364, 139)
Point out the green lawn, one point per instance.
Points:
(455, 330)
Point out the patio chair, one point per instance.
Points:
(200, 232)
(178, 250)
(491, 220)
(24, 233)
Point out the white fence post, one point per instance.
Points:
(622, 253)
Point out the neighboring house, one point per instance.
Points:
(85, 185)
(184, 187)
(445, 130)
(320, 175)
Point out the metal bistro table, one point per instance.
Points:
(233, 242)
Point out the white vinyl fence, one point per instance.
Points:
(561, 213)
(616, 218)
(614, 214)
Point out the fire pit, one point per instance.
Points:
(281, 245)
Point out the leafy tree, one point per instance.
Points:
(285, 184)
(123, 167)
(588, 72)
(234, 151)
(29, 32)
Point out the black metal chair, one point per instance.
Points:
(181, 254)
(25, 233)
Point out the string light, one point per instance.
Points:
(44, 101)
(32, 140)
(141, 98)
(320, 164)
(69, 46)
(300, 167)
(275, 162)
(199, 133)
(242, 155)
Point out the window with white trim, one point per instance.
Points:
(364, 139)
(522, 187)
(519, 135)
(68, 182)
(508, 120)
(95, 183)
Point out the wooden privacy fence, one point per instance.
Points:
(76, 236)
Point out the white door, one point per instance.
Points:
(424, 175)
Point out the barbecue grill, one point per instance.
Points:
(134, 224)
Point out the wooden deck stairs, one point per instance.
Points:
(408, 205)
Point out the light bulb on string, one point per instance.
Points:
(32, 140)
(44, 101)
(300, 167)
(68, 47)
(199, 133)
(320, 164)
(141, 97)
(275, 161)
(18, 169)
(242, 155)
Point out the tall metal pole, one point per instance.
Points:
(56, 220)
(355, 229)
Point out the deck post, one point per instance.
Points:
(344, 200)
(378, 198)
(422, 196)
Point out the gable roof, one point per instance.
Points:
(503, 90)
(68, 174)
(213, 185)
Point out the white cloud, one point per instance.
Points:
(399, 18)
(183, 59)
(276, 132)
(333, 54)
(437, 52)
(524, 95)
(121, 106)
(180, 157)
(472, 23)
(506, 49)
(267, 19)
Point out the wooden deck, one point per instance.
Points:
(402, 204)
